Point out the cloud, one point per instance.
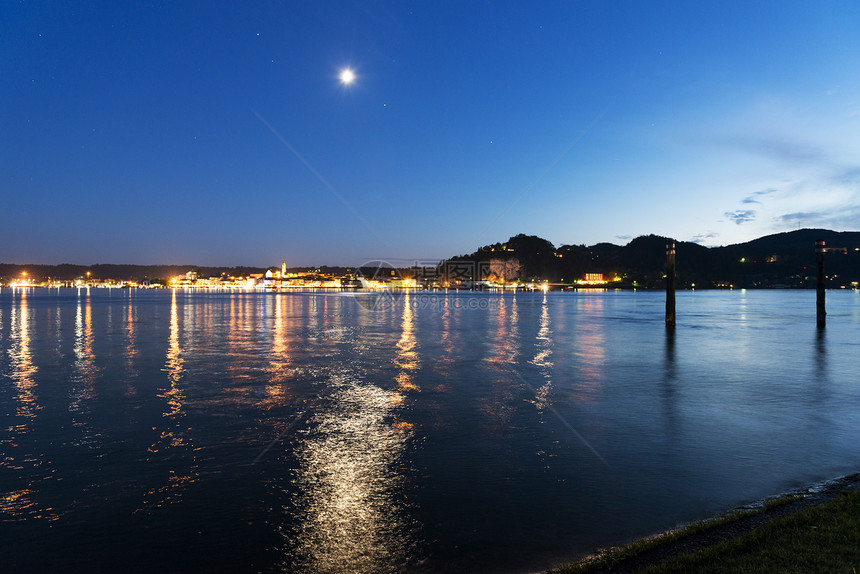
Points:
(801, 218)
(741, 216)
(800, 183)
(624, 237)
(842, 217)
(780, 149)
(752, 197)
(702, 237)
(849, 176)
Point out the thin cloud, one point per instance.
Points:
(801, 218)
(779, 149)
(700, 238)
(741, 216)
(844, 217)
(751, 198)
(849, 176)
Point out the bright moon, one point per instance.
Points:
(347, 76)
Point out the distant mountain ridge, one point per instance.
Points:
(782, 259)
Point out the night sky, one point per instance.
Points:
(221, 133)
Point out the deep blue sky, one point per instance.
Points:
(218, 133)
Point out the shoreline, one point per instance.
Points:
(814, 494)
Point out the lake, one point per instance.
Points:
(158, 430)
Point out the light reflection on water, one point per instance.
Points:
(131, 352)
(591, 348)
(85, 369)
(20, 503)
(304, 431)
(277, 390)
(22, 360)
(349, 517)
(543, 358)
(351, 513)
(173, 444)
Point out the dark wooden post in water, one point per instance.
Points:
(821, 313)
(670, 285)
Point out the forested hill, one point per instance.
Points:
(783, 259)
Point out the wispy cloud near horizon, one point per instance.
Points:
(741, 216)
(777, 148)
(800, 183)
(701, 238)
(835, 218)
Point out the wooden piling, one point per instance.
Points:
(820, 312)
(670, 285)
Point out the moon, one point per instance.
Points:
(347, 76)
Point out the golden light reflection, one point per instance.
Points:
(591, 347)
(280, 368)
(542, 358)
(173, 434)
(20, 506)
(18, 503)
(131, 352)
(246, 327)
(86, 370)
(175, 363)
(23, 368)
(352, 515)
(407, 359)
(31, 467)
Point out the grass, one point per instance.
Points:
(822, 538)
(606, 559)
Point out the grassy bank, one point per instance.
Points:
(822, 538)
(784, 535)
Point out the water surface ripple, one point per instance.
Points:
(149, 430)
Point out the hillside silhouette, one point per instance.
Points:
(779, 260)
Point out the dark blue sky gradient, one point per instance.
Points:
(217, 133)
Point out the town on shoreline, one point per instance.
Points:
(523, 262)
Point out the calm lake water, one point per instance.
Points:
(176, 430)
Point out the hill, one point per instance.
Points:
(782, 259)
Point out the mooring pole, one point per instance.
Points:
(670, 285)
(820, 312)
